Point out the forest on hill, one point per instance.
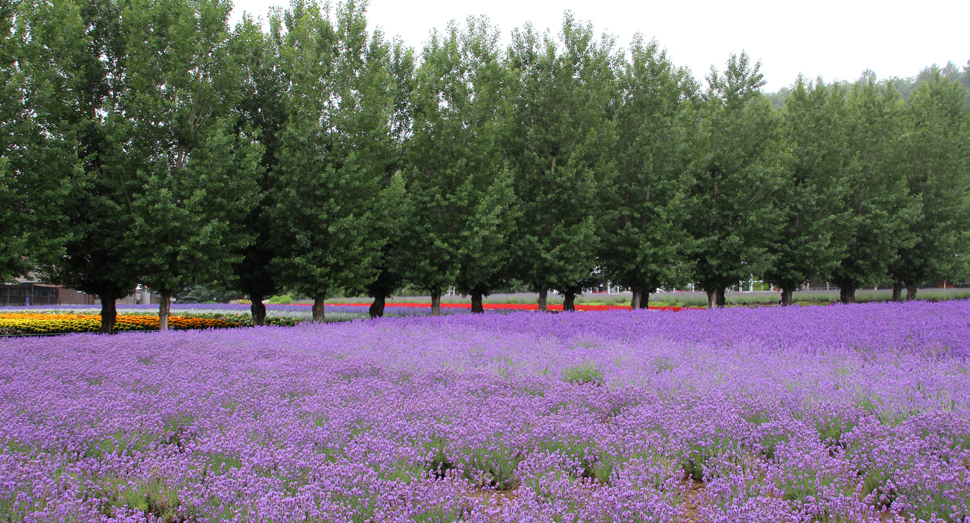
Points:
(906, 86)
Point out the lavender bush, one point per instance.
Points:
(829, 414)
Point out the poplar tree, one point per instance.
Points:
(262, 111)
(335, 149)
(737, 169)
(559, 143)
(36, 154)
(77, 61)
(395, 254)
(461, 188)
(804, 248)
(645, 206)
(876, 213)
(197, 176)
(937, 172)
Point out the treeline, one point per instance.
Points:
(146, 141)
(905, 85)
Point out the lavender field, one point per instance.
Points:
(828, 414)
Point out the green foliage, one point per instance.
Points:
(395, 254)
(144, 142)
(36, 161)
(559, 144)
(334, 150)
(493, 466)
(814, 125)
(645, 205)
(582, 460)
(695, 461)
(832, 429)
(585, 373)
(876, 213)
(153, 497)
(936, 131)
(461, 188)
(800, 484)
(196, 175)
(77, 61)
(737, 169)
(262, 111)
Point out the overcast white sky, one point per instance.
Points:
(835, 39)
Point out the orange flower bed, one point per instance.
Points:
(55, 323)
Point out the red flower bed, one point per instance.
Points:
(511, 306)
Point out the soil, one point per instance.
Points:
(693, 490)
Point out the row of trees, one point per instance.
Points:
(146, 141)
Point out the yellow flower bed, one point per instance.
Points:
(55, 323)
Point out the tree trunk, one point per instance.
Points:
(720, 298)
(635, 300)
(847, 294)
(164, 310)
(109, 314)
(897, 291)
(568, 303)
(910, 290)
(711, 295)
(258, 309)
(377, 308)
(436, 303)
(644, 300)
(477, 302)
(318, 312)
(543, 296)
(786, 296)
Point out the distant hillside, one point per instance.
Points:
(904, 85)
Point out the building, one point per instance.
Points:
(24, 293)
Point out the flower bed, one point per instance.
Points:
(845, 413)
(57, 323)
(506, 306)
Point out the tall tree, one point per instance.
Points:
(197, 175)
(645, 207)
(737, 169)
(38, 41)
(80, 55)
(559, 142)
(937, 170)
(461, 189)
(815, 127)
(877, 210)
(394, 256)
(335, 150)
(261, 110)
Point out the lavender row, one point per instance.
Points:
(856, 413)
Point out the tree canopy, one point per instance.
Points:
(147, 142)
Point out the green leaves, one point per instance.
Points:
(814, 120)
(335, 150)
(936, 137)
(36, 158)
(196, 176)
(458, 177)
(559, 143)
(738, 157)
(877, 214)
(645, 206)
